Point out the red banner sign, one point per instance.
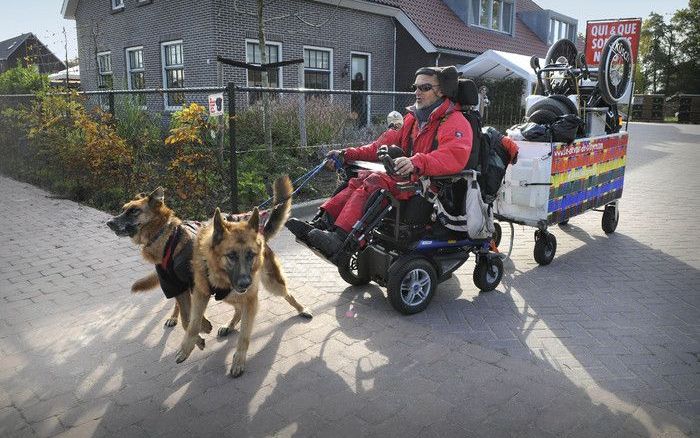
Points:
(598, 32)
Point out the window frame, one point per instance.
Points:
(328, 50)
(165, 68)
(280, 78)
(101, 74)
(558, 25)
(130, 70)
(140, 98)
(117, 4)
(476, 20)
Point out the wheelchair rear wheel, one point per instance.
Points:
(411, 284)
(488, 273)
(350, 271)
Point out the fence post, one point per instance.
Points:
(111, 103)
(233, 164)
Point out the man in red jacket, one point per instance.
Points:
(436, 140)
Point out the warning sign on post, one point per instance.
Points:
(216, 104)
(598, 32)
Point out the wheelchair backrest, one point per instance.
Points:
(468, 97)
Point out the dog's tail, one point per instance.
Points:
(282, 199)
(146, 283)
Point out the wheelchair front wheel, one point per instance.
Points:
(488, 273)
(411, 284)
(350, 271)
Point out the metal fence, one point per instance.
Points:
(297, 129)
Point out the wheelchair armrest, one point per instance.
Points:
(457, 176)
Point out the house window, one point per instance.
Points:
(104, 70)
(173, 72)
(558, 30)
(317, 68)
(493, 14)
(117, 4)
(254, 56)
(135, 72)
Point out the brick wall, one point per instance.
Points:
(146, 24)
(214, 27)
(411, 56)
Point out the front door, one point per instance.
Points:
(360, 81)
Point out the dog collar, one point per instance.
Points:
(219, 292)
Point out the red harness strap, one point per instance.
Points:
(169, 248)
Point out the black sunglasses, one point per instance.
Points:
(423, 87)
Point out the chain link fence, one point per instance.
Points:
(231, 163)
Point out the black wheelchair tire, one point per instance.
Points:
(497, 234)
(398, 272)
(612, 97)
(350, 271)
(488, 273)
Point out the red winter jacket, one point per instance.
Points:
(454, 135)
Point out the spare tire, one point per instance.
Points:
(566, 101)
(549, 104)
(542, 116)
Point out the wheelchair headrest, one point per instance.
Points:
(467, 94)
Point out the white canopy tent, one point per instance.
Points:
(495, 64)
(73, 75)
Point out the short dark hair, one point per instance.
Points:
(446, 76)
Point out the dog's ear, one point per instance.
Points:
(254, 221)
(218, 235)
(156, 197)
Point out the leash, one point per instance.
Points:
(304, 179)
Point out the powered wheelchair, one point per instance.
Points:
(411, 246)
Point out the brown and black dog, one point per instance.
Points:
(166, 242)
(231, 259)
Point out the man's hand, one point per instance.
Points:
(404, 166)
(331, 157)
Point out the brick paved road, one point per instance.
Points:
(603, 342)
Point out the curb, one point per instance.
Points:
(307, 208)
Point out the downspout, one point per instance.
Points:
(437, 59)
(393, 84)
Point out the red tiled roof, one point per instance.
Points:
(445, 30)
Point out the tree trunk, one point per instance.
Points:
(267, 126)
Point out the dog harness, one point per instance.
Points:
(175, 270)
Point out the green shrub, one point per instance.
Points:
(20, 80)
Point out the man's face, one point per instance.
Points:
(426, 98)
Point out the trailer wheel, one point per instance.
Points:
(488, 273)
(411, 284)
(350, 271)
(545, 247)
(611, 215)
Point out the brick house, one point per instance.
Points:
(27, 49)
(350, 44)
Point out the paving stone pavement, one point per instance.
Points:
(604, 342)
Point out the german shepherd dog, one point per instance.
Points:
(230, 260)
(155, 227)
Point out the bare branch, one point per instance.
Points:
(300, 16)
(241, 11)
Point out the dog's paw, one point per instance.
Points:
(238, 365)
(171, 322)
(306, 313)
(223, 331)
(206, 326)
(187, 347)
